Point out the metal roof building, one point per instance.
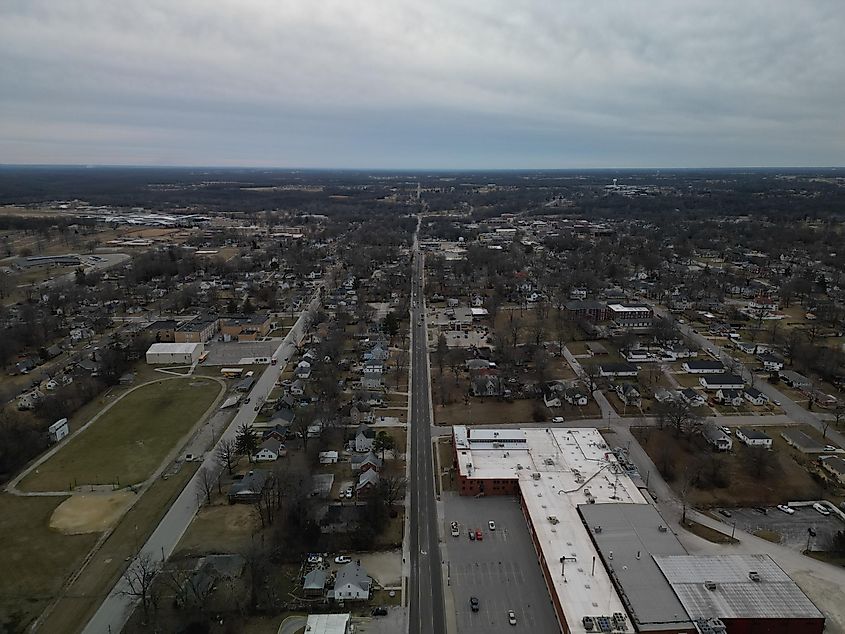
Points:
(627, 535)
(749, 593)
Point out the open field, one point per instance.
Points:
(90, 512)
(488, 412)
(219, 528)
(130, 440)
(39, 558)
(109, 562)
(728, 479)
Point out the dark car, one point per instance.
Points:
(725, 512)
(812, 531)
(473, 604)
(379, 612)
(471, 535)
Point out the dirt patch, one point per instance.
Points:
(90, 512)
(219, 528)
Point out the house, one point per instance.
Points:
(617, 369)
(473, 365)
(245, 327)
(372, 378)
(328, 457)
(721, 382)
(377, 353)
(771, 363)
(703, 367)
(578, 293)
(596, 349)
(303, 370)
(662, 395)
(248, 489)
(716, 438)
(793, 379)
(729, 397)
(638, 355)
(29, 400)
(551, 399)
(58, 430)
(367, 482)
(370, 461)
(283, 416)
(575, 396)
(753, 438)
(314, 583)
(297, 388)
(25, 366)
(486, 385)
(755, 396)
(586, 310)
(270, 450)
(835, 466)
(628, 394)
(802, 441)
(364, 437)
(692, 398)
(361, 412)
(352, 583)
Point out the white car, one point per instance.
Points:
(491, 525)
(786, 509)
(315, 559)
(349, 493)
(830, 448)
(726, 430)
(558, 419)
(455, 531)
(342, 559)
(511, 617)
(821, 508)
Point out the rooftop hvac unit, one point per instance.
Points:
(597, 529)
(536, 476)
(588, 623)
(553, 519)
(549, 461)
(754, 576)
(662, 528)
(519, 467)
(710, 585)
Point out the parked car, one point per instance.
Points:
(830, 448)
(379, 611)
(811, 531)
(342, 559)
(821, 508)
(786, 509)
(511, 617)
(478, 535)
(558, 419)
(455, 531)
(471, 535)
(315, 559)
(349, 492)
(725, 512)
(726, 430)
(473, 604)
(491, 525)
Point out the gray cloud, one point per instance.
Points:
(435, 84)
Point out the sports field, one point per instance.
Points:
(130, 440)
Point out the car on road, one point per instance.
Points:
(786, 509)
(511, 617)
(821, 508)
(474, 604)
(315, 559)
(775, 403)
(478, 535)
(725, 513)
(246, 400)
(342, 559)
(558, 419)
(762, 510)
(349, 492)
(491, 525)
(455, 531)
(189, 457)
(257, 407)
(471, 535)
(378, 611)
(811, 531)
(830, 448)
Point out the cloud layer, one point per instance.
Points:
(423, 84)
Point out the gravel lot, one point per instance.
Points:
(792, 528)
(501, 571)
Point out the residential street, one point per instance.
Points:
(117, 606)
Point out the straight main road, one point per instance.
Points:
(117, 607)
(426, 586)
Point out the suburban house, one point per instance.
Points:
(617, 369)
(755, 396)
(270, 450)
(692, 398)
(486, 385)
(771, 363)
(366, 462)
(352, 583)
(639, 355)
(314, 583)
(328, 457)
(364, 437)
(575, 396)
(372, 377)
(835, 466)
(297, 388)
(628, 394)
(802, 441)
(551, 399)
(377, 353)
(248, 489)
(703, 367)
(729, 397)
(721, 382)
(793, 379)
(367, 482)
(303, 370)
(473, 365)
(718, 439)
(662, 395)
(753, 438)
(28, 400)
(361, 413)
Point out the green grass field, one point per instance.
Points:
(130, 440)
(36, 559)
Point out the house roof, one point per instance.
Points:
(353, 574)
(704, 365)
(253, 482)
(272, 445)
(369, 477)
(315, 580)
(753, 434)
(722, 379)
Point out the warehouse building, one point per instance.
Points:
(174, 353)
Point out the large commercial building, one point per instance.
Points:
(605, 552)
(174, 353)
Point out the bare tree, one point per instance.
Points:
(205, 485)
(391, 489)
(678, 415)
(139, 578)
(227, 454)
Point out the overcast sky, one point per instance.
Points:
(401, 84)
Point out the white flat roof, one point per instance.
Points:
(327, 623)
(174, 348)
(622, 308)
(557, 470)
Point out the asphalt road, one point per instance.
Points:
(426, 584)
(117, 607)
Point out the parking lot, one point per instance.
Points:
(793, 529)
(235, 353)
(501, 570)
